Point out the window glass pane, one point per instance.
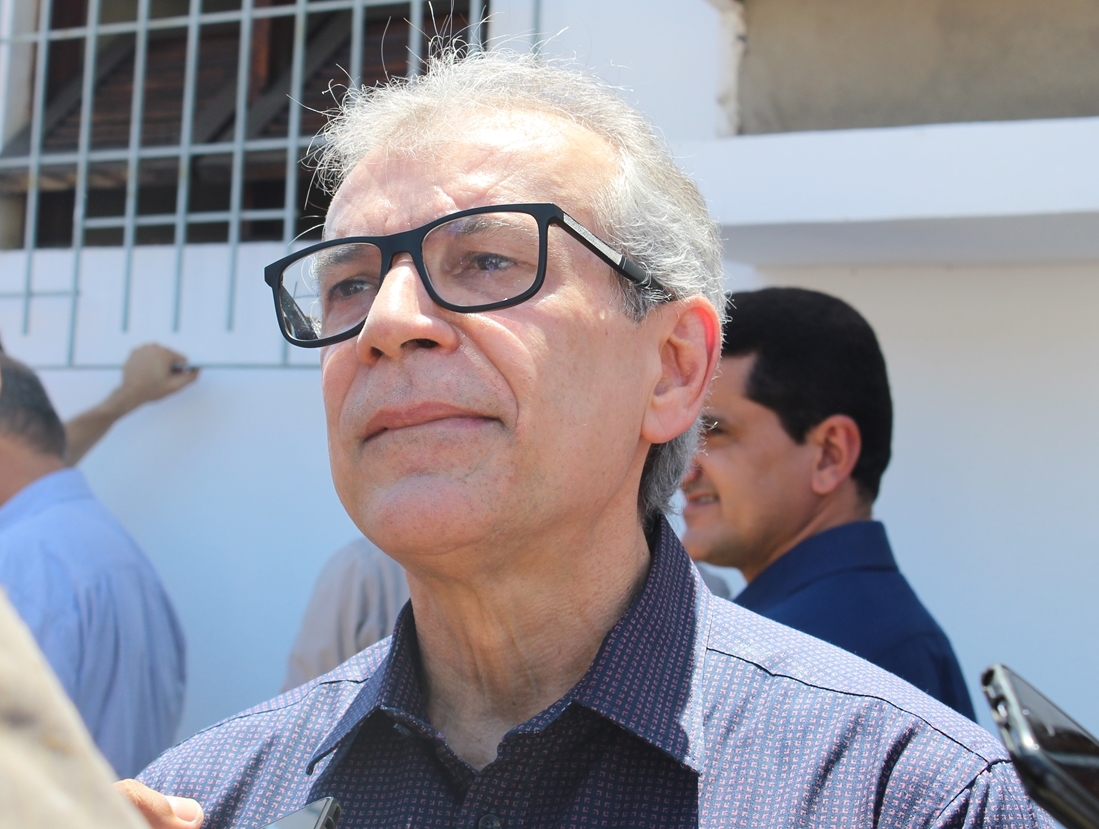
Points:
(116, 11)
(264, 180)
(314, 201)
(64, 79)
(56, 199)
(261, 230)
(206, 232)
(158, 180)
(67, 14)
(209, 6)
(104, 237)
(269, 76)
(13, 208)
(449, 22)
(385, 43)
(168, 8)
(106, 190)
(211, 177)
(164, 74)
(155, 235)
(114, 72)
(216, 83)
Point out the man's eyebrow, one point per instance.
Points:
(478, 223)
(338, 254)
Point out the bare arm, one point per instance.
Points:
(150, 373)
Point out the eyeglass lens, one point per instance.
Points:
(471, 261)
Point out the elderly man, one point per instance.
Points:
(511, 404)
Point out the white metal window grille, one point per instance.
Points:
(127, 123)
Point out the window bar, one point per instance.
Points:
(293, 143)
(183, 188)
(415, 37)
(34, 168)
(476, 13)
(240, 131)
(355, 70)
(84, 140)
(137, 104)
(7, 57)
(536, 31)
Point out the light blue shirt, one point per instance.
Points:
(100, 614)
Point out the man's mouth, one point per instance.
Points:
(699, 499)
(421, 414)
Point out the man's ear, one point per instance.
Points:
(838, 444)
(690, 347)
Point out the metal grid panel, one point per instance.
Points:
(186, 151)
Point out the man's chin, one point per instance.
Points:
(417, 518)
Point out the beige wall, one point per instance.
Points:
(992, 496)
(837, 64)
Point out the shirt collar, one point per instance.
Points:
(63, 485)
(642, 679)
(860, 545)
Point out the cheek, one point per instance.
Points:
(337, 372)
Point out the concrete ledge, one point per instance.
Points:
(983, 192)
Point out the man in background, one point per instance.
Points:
(798, 430)
(50, 774)
(354, 603)
(90, 597)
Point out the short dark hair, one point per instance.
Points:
(815, 357)
(26, 412)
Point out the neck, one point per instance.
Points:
(846, 507)
(498, 647)
(21, 466)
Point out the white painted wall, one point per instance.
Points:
(991, 497)
(666, 58)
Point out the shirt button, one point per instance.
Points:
(489, 821)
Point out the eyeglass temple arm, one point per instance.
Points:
(619, 261)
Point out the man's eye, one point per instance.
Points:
(347, 288)
(489, 261)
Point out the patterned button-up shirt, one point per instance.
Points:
(695, 712)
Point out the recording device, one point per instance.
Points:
(1057, 760)
(320, 814)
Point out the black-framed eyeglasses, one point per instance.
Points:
(473, 260)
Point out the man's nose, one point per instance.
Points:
(403, 316)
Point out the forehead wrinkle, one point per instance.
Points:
(516, 157)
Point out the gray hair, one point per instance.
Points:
(651, 210)
(26, 412)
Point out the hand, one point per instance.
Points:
(159, 811)
(150, 373)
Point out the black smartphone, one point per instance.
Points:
(320, 814)
(1057, 759)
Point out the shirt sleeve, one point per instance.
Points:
(994, 800)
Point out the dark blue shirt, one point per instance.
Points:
(843, 586)
(695, 712)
